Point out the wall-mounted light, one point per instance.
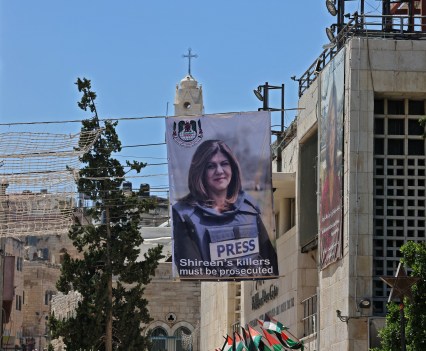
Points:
(330, 33)
(342, 318)
(364, 303)
(318, 66)
(258, 92)
(331, 7)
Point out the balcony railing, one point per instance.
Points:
(369, 26)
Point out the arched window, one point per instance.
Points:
(159, 339)
(182, 337)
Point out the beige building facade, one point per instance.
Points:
(40, 279)
(383, 206)
(13, 296)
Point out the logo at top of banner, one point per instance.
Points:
(187, 133)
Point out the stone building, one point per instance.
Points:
(13, 292)
(40, 277)
(340, 304)
(174, 305)
(175, 309)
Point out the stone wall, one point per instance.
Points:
(39, 286)
(173, 304)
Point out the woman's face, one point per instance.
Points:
(218, 173)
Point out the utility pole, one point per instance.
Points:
(3, 224)
(108, 333)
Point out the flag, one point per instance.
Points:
(249, 341)
(238, 343)
(279, 330)
(263, 346)
(227, 344)
(290, 343)
(272, 324)
(255, 336)
(276, 345)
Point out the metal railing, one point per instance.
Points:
(309, 315)
(370, 26)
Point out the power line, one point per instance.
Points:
(110, 119)
(80, 120)
(142, 145)
(131, 156)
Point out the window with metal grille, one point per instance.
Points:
(399, 187)
(181, 341)
(309, 315)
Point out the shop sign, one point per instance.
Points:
(263, 296)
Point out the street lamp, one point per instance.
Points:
(262, 93)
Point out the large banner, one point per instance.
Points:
(221, 196)
(331, 151)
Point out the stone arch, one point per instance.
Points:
(157, 324)
(182, 331)
(180, 324)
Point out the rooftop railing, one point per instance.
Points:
(369, 26)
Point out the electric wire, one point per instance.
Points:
(91, 203)
(111, 119)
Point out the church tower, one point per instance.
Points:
(189, 95)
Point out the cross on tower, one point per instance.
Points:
(189, 56)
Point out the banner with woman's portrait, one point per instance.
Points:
(220, 178)
(331, 161)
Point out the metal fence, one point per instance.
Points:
(369, 26)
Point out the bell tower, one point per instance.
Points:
(189, 95)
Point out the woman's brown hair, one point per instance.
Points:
(197, 170)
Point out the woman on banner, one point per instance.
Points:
(331, 191)
(217, 229)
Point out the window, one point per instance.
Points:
(309, 315)
(183, 339)
(48, 296)
(180, 341)
(62, 254)
(399, 181)
(18, 303)
(19, 263)
(159, 339)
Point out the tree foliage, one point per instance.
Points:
(414, 257)
(110, 247)
(422, 122)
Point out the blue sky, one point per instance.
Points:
(132, 51)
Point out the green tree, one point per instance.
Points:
(112, 311)
(422, 122)
(414, 257)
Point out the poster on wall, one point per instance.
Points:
(220, 181)
(331, 161)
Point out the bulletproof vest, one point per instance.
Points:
(224, 236)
